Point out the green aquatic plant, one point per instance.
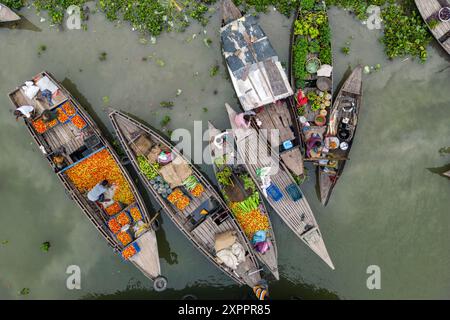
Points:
(404, 34)
(102, 56)
(45, 246)
(166, 104)
(214, 70)
(165, 121)
(13, 4)
(24, 291)
(41, 49)
(345, 50)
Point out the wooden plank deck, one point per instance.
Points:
(275, 117)
(65, 135)
(147, 260)
(429, 10)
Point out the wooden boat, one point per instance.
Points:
(241, 195)
(81, 158)
(260, 82)
(340, 133)
(278, 186)
(7, 15)
(313, 89)
(205, 216)
(432, 12)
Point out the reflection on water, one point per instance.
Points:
(22, 24)
(135, 290)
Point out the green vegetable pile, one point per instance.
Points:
(224, 177)
(248, 182)
(249, 204)
(149, 169)
(313, 39)
(190, 182)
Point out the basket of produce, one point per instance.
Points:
(52, 123)
(62, 116)
(114, 225)
(69, 109)
(113, 209)
(135, 213)
(312, 65)
(183, 202)
(124, 237)
(320, 120)
(444, 14)
(78, 122)
(130, 250)
(123, 218)
(198, 190)
(175, 196)
(39, 126)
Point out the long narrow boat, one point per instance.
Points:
(7, 15)
(436, 14)
(340, 133)
(81, 158)
(188, 198)
(447, 173)
(260, 82)
(278, 186)
(311, 75)
(243, 198)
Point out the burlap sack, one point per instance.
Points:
(224, 240)
(170, 175)
(182, 168)
(142, 146)
(153, 154)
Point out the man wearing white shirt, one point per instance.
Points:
(24, 111)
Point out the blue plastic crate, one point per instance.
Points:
(274, 192)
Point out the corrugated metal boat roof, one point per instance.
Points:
(257, 74)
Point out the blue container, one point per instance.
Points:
(274, 192)
(287, 144)
(294, 192)
(136, 247)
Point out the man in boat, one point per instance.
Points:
(48, 116)
(24, 111)
(97, 193)
(243, 119)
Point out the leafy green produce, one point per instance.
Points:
(190, 182)
(224, 176)
(248, 182)
(249, 204)
(150, 170)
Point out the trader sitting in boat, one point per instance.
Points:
(99, 192)
(49, 116)
(243, 119)
(24, 111)
(59, 161)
